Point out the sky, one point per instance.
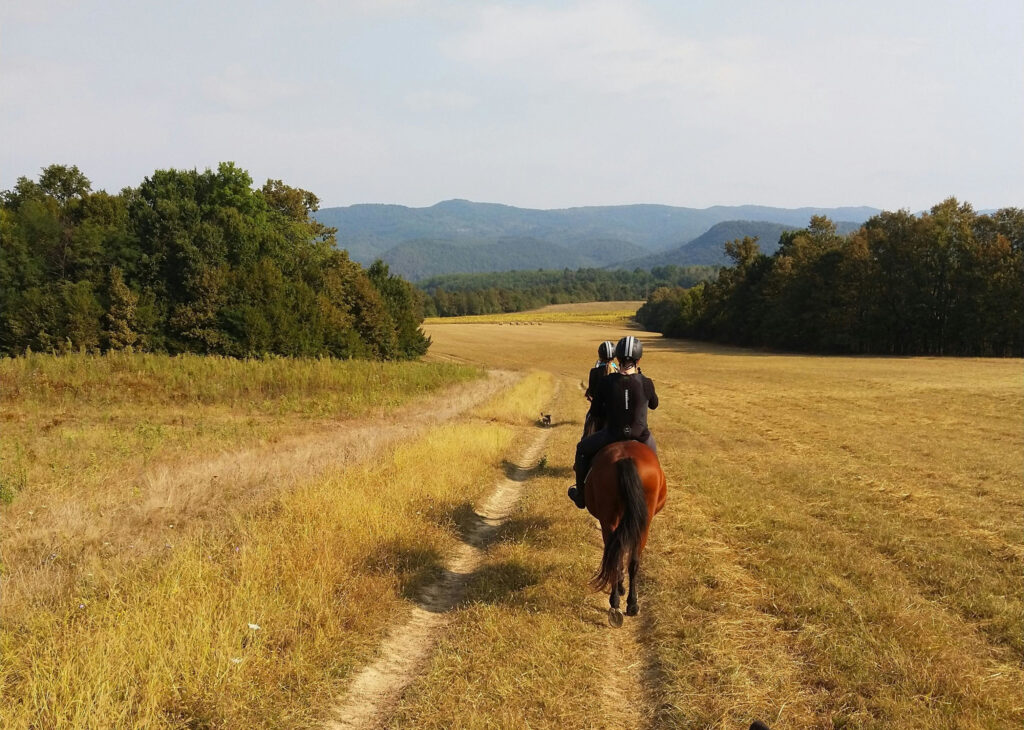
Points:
(893, 104)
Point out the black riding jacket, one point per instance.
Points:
(622, 402)
(596, 373)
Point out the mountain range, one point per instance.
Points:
(463, 236)
(708, 248)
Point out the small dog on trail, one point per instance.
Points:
(545, 419)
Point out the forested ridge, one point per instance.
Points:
(190, 261)
(946, 282)
(708, 248)
(424, 259)
(369, 232)
(514, 291)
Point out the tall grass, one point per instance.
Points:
(253, 618)
(172, 642)
(521, 404)
(317, 387)
(81, 425)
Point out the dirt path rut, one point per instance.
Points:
(377, 688)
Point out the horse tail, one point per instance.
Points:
(625, 539)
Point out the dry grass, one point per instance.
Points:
(320, 570)
(530, 646)
(519, 406)
(128, 638)
(72, 425)
(841, 548)
(99, 454)
(581, 313)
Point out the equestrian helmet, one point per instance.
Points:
(629, 348)
(606, 350)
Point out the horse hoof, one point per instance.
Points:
(632, 609)
(614, 618)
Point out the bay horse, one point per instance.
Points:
(624, 490)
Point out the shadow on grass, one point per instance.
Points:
(441, 585)
(518, 472)
(469, 525)
(559, 472)
(476, 530)
(560, 424)
(501, 583)
(414, 566)
(521, 473)
(530, 529)
(657, 676)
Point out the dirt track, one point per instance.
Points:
(378, 686)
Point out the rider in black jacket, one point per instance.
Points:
(605, 365)
(622, 400)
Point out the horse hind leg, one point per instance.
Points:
(632, 604)
(618, 589)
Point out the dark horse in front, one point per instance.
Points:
(624, 490)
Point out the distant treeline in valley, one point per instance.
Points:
(190, 261)
(946, 282)
(455, 295)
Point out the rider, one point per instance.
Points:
(621, 400)
(606, 357)
(605, 365)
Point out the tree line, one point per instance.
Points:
(190, 261)
(946, 282)
(454, 295)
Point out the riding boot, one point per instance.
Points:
(576, 492)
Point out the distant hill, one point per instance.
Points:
(421, 259)
(372, 231)
(708, 249)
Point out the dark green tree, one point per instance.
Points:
(120, 332)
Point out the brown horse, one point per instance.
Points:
(624, 490)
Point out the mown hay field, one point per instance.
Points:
(841, 548)
(614, 313)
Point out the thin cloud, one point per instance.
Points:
(242, 89)
(603, 47)
(430, 100)
(540, 103)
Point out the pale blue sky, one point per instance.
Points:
(541, 104)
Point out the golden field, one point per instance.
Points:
(841, 545)
(610, 313)
(176, 552)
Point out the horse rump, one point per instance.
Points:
(625, 538)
